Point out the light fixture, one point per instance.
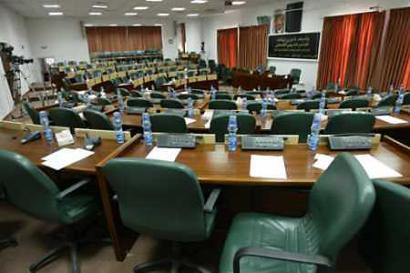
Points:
(51, 6)
(158, 25)
(199, 1)
(112, 25)
(137, 25)
(100, 6)
(95, 13)
(178, 9)
(153, 0)
(130, 14)
(88, 25)
(140, 8)
(238, 3)
(56, 13)
(163, 14)
(192, 14)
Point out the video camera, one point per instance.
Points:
(15, 60)
(20, 60)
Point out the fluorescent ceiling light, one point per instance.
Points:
(88, 25)
(199, 1)
(238, 3)
(51, 6)
(100, 6)
(140, 8)
(130, 13)
(113, 25)
(162, 14)
(153, 0)
(137, 25)
(158, 25)
(56, 13)
(178, 9)
(95, 13)
(193, 15)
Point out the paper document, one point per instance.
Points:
(268, 167)
(207, 116)
(322, 161)
(189, 121)
(65, 157)
(165, 154)
(391, 120)
(376, 169)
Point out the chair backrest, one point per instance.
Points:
(157, 95)
(385, 238)
(136, 94)
(308, 105)
(158, 198)
(124, 92)
(339, 204)
(256, 106)
(66, 118)
(143, 103)
(97, 120)
(33, 113)
(406, 99)
(354, 103)
(353, 92)
(27, 187)
(187, 96)
(272, 69)
(222, 105)
(350, 123)
(293, 124)
(103, 101)
(222, 96)
(295, 74)
(387, 101)
(172, 104)
(247, 96)
(219, 125)
(168, 123)
(291, 96)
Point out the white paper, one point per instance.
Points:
(189, 121)
(207, 116)
(268, 167)
(376, 169)
(391, 120)
(65, 157)
(322, 161)
(64, 138)
(165, 154)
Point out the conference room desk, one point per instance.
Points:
(249, 81)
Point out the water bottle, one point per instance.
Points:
(391, 90)
(259, 88)
(47, 132)
(121, 105)
(102, 92)
(189, 90)
(313, 140)
(87, 100)
(213, 93)
(264, 108)
(399, 101)
(232, 129)
(322, 102)
(244, 103)
(239, 89)
(60, 100)
(369, 92)
(190, 108)
(117, 123)
(146, 125)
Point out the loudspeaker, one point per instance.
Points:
(294, 13)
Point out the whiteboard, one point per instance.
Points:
(6, 100)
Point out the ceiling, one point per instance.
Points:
(117, 8)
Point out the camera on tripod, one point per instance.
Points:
(20, 60)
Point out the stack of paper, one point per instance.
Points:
(165, 154)
(268, 167)
(322, 161)
(391, 120)
(65, 157)
(189, 121)
(207, 116)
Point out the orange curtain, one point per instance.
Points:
(253, 44)
(182, 42)
(228, 47)
(143, 38)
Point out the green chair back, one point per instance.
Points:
(272, 69)
(292, 96)
(350, 123)
(103, 101)
(158, 198)
(187, 96)
(406, 99)
(160, 81)
(219, 125)
(158, 95)
(212, 64)
(295, 75)
(124, 92)
(387, 101)
(354, 103)
(385, 238)
(136, 94)
(222, 96)
(66, 118)
(142, 103)
(247, 96)
(293, 124)
(279, 92)
(256, 106)
(168, 123)
(97, 120)
(309, 105)
(172, 104)
(222, 105)
(353, 92)
(33, 113)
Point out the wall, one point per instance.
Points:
(314, 12)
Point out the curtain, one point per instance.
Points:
(182, 42)
(228, 47)
(143, 38)
(253, 43)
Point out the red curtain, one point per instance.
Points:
(228, 47)
(253, 44)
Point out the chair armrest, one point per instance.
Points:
(321, 261)
(210, 203)
(73, 188)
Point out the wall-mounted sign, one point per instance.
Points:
(295, 46)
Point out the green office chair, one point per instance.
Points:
(168, 123)
(309, 105)
(142, 103)
(212, 65)
(354, 104)
(293, 124)
(279, 92)
(136, 94)
(319, 95)
(292, 96)
(97, 120)
(33, 113)
(295, 75)
(187, 96)
(171, 104)
(352, 92)
(339, 204)
(272, 69)
(219, 125)
(32, 191)
(66, 118)
(163, 200)
(385, 239)
(103, 101)
(222, 105)
(159, 82)
(157, 95)
(256, 106)
(124, 92)
(388, 101)
(406, 99)
(222, 96)
(247, 96)
(350, 123)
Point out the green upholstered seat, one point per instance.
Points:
(33, 113)
(124, 92)
(350, 123)
(172, 104)
(387, 101)
(136, 94)
(385, 238)
(158, 95)
(406, 99)
(222, 96)
(143, 103)
(291, 96)
(309, 105)
(103, 101)
(219, 125)
(339, 204)
(97, 120)
(354, 103)
(212, 65)
(295, 74)
(187, 96)
(222, 105)
(256, 106)
(247, 96)
(293, 124)
(272, 69)
(352, 92)
(168, 123)
(160, 81)
(279, 92)
(66, 118)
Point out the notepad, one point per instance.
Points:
(268, 167)
(189, 121)
(65, 157)
(165, 154)
(322, 161)
(207, 116)
(391, 120)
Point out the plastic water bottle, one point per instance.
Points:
(60, 100)
(190, 108)
(47, 132)
(313, 140)
(399, 101)
(189, 90)
(391, 90)
(322, 103)
(232, 129)
(239, 89)
(244, 103)
(264, 108)
(369, 92)
(102, 92)
(213, 93)
(259, 88)
(121, 105)
(117, 123)
(146, 125)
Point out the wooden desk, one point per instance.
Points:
(249, 81)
